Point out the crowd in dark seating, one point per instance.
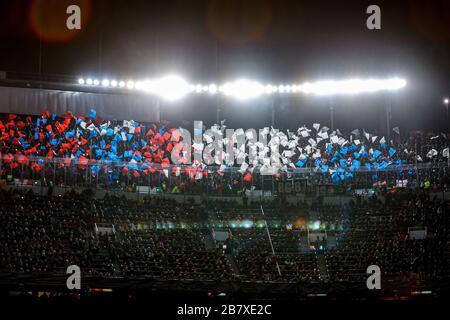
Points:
(379, 236)
(159, 238)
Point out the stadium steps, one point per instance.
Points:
(322, 267)
(230, 260)
(210, 244)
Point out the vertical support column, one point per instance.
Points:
(158, 110)
(331, 108)
(388, 118)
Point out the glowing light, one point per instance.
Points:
(130, 84)
(212, 89)
(269, 89)
(139, 85)
(314, 225)
(352, 86)
(171, 87)
(243, 89)
(246, 224)
(446, 100)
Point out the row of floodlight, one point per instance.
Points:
(173, 87)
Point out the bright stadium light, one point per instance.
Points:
(130, 84)
(446, 100)
(212, 89)
(170, 87)
(352, 86)
(139, 85)
(243, 89)
(269, 89)
(173, 87)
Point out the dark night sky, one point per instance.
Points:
(270, 41)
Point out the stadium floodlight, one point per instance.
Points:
(139, 85)
(212, 89)
(130, 84)
(269, 89)
(243, 89)
(352, 86)
(171, 87)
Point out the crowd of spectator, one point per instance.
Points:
(159, 238)
(72, 150)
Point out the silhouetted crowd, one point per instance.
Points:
(162, 239)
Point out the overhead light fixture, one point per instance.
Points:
(243, 89)
(171, 87)
(174, 87)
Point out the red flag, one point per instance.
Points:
(7, 158)
(36, 167)
(166, 136)
(248, 177)
(67, 161)
(20, 124)
(23, 160)
(83, 160)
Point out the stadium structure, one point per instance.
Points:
(175, 189)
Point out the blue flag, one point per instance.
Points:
(93, 114)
